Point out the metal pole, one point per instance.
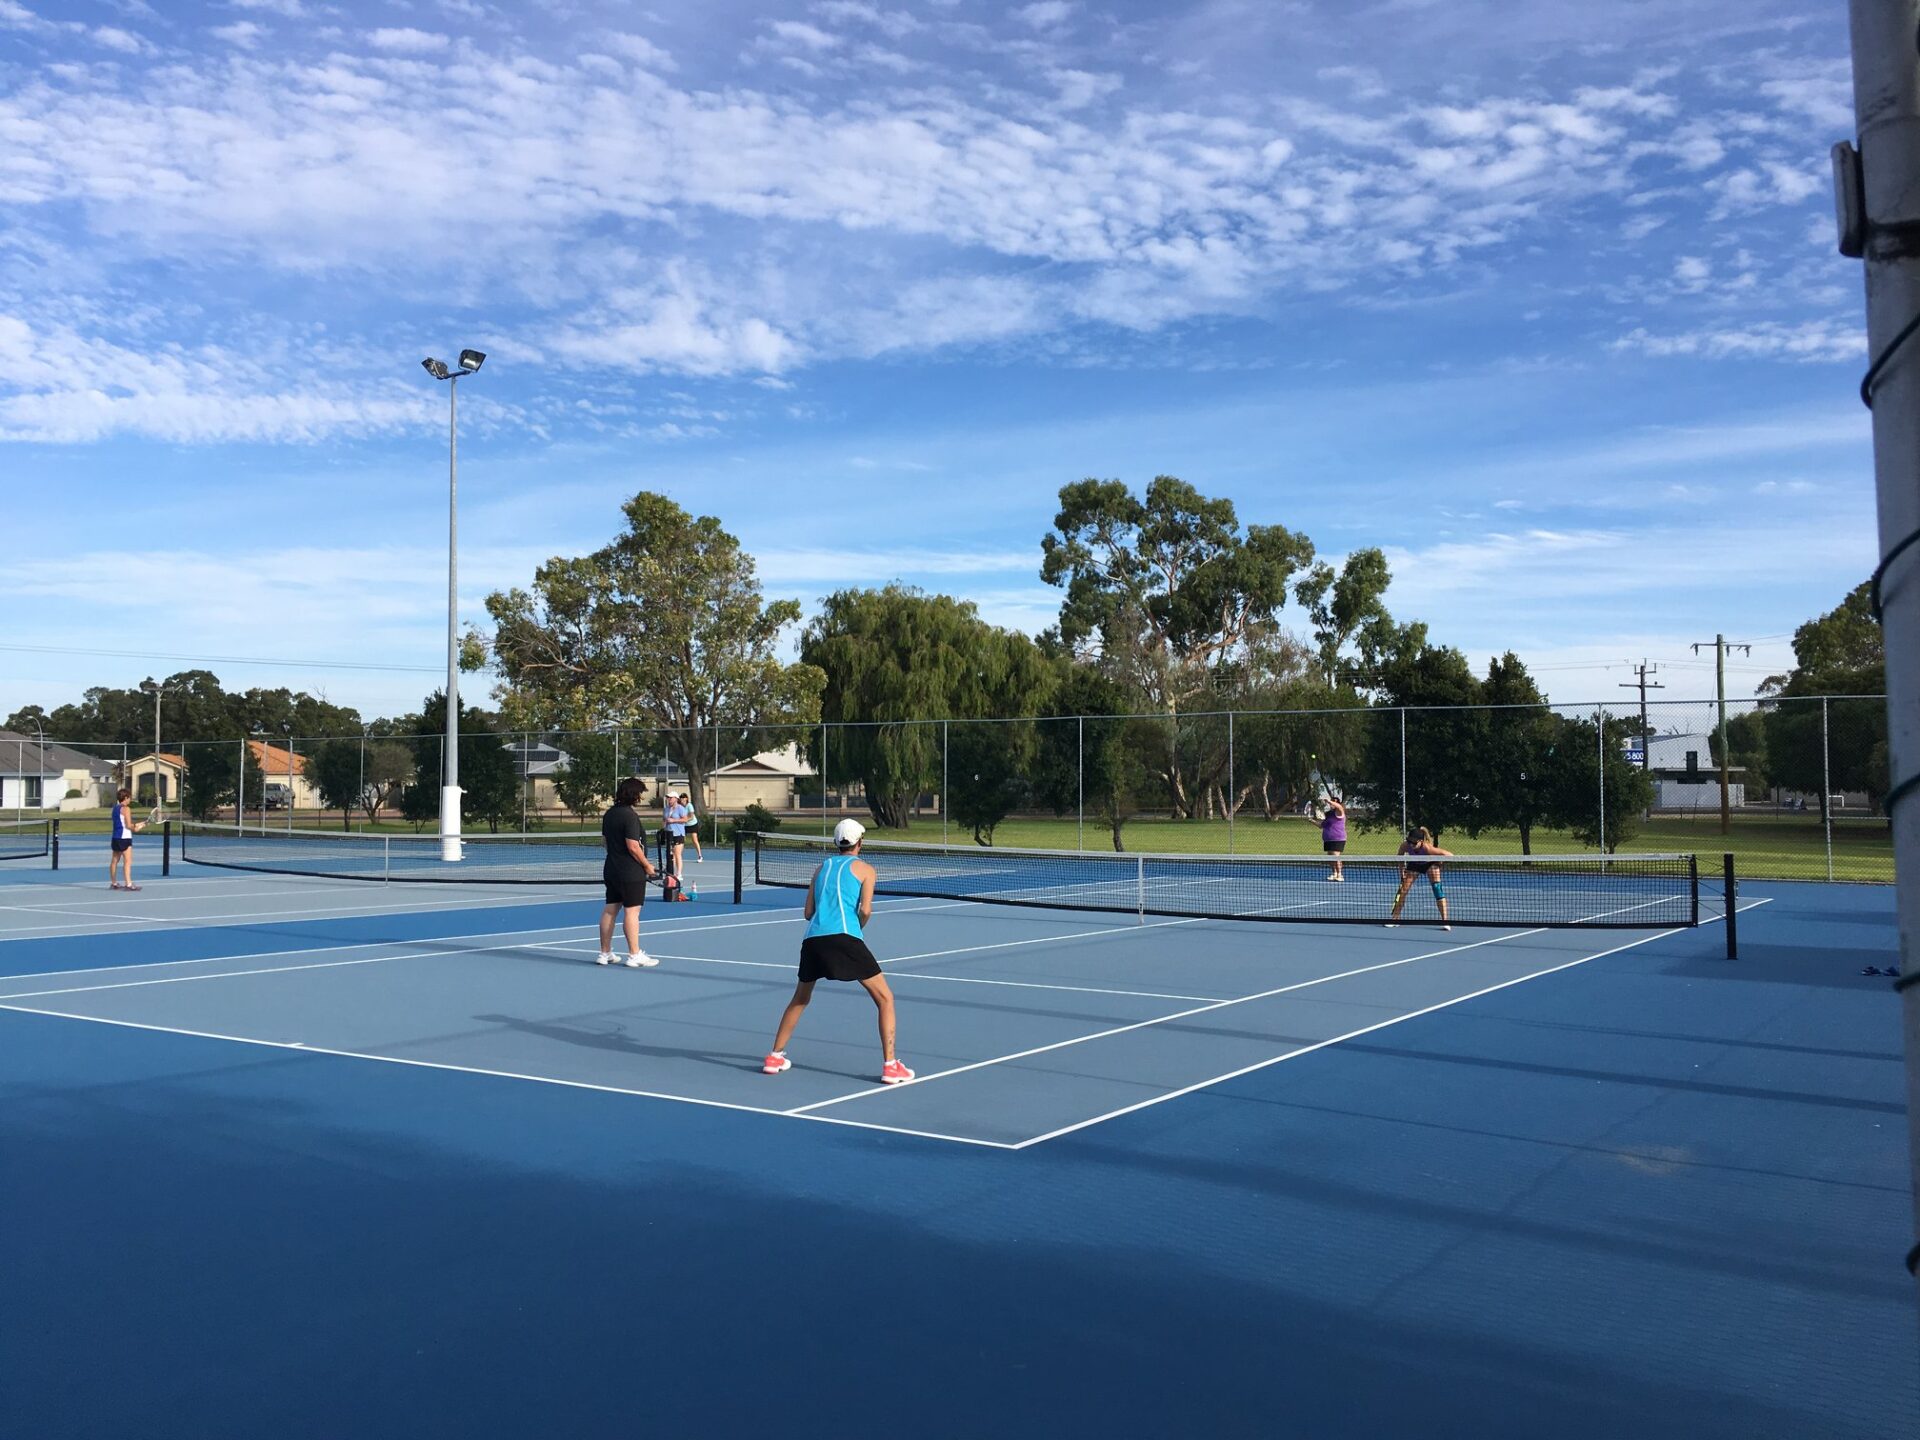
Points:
(360, 795)
(289, 780)
(1720, 690)
(1230, 805)
(526, 743)
(240, 791)
(450, 762)
(1080, 774)
(1404, 822)
(1826, 786)
(825, 828)
(1600, 731)
(1886, 97)
(946, 751)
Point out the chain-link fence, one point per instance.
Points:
(1792, 786)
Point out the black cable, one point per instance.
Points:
(1886, 356)
(1880, 572)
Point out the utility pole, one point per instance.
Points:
(1642, 684)
(1720, 648)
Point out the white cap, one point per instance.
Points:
(847, 833)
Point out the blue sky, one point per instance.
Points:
(1542, 298)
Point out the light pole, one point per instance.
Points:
(470, 362)
(41, 731)
(159, 798)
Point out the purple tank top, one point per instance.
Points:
(1334, 827)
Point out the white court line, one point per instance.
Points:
(1220, 1005)
(378, 944)
(1355, 1034)
(305, 1049)
(787, 965)
(1186, 1014)
(159, 923)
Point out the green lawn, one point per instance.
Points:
(1771, 847)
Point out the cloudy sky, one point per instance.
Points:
(1541, 297)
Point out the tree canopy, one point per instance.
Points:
(665, 627)
(897, 661)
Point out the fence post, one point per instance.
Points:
(1080, 779)
(945, 754)
(1731, 894)
(1403, 771)
(1600, 728)
(1230, 806)
(825, 828)
(1140, 888)
(1826, 786)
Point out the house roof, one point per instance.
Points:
(784, 761)
(272, 759)
(24, 754)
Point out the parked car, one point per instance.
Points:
(276, 797)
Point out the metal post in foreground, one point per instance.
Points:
(1230, 804)
(946, 752)
(1879, 206)
(739, 861)
(1080, 777)
(470, 362)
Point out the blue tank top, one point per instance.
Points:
(121, 830)
(836, 899)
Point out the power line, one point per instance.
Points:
(219, 659)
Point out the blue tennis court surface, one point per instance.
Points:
(299, 1157)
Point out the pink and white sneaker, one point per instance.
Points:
(775, 1063)
(894, 1073)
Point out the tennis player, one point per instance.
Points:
(839, 904)
(120, 861)
(673, 817)
(1420, 842)
(1333, 833)
(625, 871)
(692, 822)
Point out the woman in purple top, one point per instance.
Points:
(1333, 833)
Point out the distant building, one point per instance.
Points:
(52, 776)
(1685, 775)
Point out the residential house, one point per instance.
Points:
(52, 776)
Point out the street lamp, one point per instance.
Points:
(470, 363)
(156, 689)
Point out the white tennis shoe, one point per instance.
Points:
(640, 960)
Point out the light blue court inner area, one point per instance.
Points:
(1554, 1181)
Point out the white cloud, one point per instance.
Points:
(242, 33)
(1043, 14)
(407, 41)
(641, 51)
(1810, 341)
(800, 33)
(291, 9)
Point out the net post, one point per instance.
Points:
(1140, 889)
(53, 842)
(740, 855)
(1733, 908)
(166, 849)
(386, 859)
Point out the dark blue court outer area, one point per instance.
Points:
(1645, 1197)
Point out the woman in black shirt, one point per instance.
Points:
(626, 872)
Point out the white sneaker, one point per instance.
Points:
(1446, 927)
(640, 960)
(603, 958)
(1393, 924)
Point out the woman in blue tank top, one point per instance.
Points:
(839, 904)
(120, 860)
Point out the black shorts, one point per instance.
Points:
(120, 847)
(627, 890)
(1333, 847)
(836, 957)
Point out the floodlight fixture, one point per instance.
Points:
(472, 360)
(436, 368)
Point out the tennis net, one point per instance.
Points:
(570, 857)
(1610, 891)
(27, 839)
